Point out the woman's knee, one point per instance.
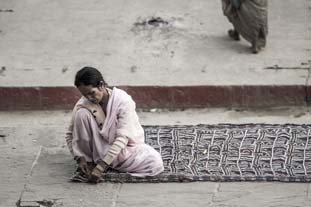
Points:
(82, 126)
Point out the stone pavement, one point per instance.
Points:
(169, 63)
(36, 165)
(185, 60)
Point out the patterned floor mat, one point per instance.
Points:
(248, 152)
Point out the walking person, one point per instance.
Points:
(249, 19)
(105, 132)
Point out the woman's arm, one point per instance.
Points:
(115, 149)
(69, 138)
(103, 165)
(126, 119)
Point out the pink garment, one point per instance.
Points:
(92, 139)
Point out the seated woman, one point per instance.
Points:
(105, 132)
(249, 19)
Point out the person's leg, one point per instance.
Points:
(82, 135)
(154, 161)
(87, 141)
(255, 42)
(234, 34)
(262, 38)
(259, 41)
(144, 161)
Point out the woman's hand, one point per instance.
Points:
(96, 175)
(83, 165)
(98, 172)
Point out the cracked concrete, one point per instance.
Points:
(303, 66)
(37, 165)
(43, 43)
(192, 49)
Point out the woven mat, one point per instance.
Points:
(248, 152)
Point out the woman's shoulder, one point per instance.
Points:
(118, 90)
(81, 102)
(120, 93)
(121, 97)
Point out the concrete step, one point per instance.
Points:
(171, 97)
(186, 61)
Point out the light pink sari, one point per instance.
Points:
(92, 139)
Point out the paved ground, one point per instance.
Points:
(36, 165)
(43, 43)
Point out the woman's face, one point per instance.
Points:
(93, 94)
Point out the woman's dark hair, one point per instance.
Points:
(89, 76)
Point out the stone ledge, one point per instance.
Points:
(172, 97)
